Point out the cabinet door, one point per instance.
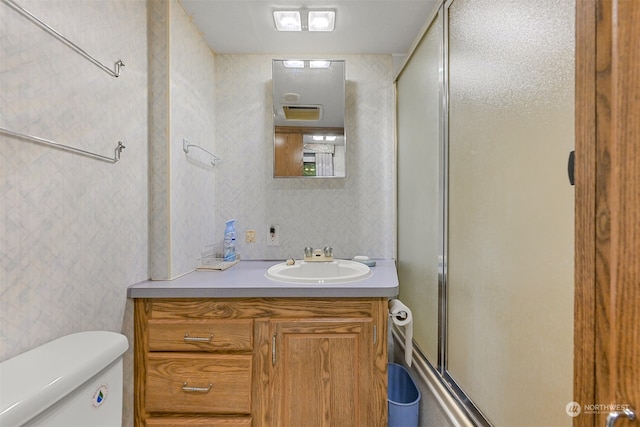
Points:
(322, 373)
(288, 154)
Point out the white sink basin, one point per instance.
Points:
(337, 271)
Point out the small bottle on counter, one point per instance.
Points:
(230, 240)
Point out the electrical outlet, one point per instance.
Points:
(250, 236)
(273, 235)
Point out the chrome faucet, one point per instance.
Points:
(325, 254)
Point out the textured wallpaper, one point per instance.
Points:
(354, 215)
(73, 230)
(181, 107)
(192, 117)
(159, 133)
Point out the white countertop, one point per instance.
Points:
(247, 280)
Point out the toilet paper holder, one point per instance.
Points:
(401, 315)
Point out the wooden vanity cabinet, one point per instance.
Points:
(272, 362)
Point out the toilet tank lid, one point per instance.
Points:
(38, 378)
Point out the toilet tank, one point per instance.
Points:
(73, 381)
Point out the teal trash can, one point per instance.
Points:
(404, 397)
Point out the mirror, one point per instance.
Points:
(308, 118)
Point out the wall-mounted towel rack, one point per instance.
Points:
(186, 145)
(118, 64)
(114, 159)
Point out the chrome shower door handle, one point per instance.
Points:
(614, 415)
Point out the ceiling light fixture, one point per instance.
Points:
(287, 20)
(319, 64)
(291, 97)
(322, 20)
(313, 20)
(293, 63)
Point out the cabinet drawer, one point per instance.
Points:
(200, 422)
(198, 383)
(200, 335)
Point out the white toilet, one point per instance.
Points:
(74, 381)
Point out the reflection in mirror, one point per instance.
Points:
(308, 118)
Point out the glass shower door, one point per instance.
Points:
(510, 211)
(420, 186)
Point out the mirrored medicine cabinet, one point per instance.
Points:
(308, 118)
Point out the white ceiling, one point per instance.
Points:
(362, 26)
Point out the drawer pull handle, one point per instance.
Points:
(187, 338)
(196, 389)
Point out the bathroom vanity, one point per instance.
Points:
(233, 348)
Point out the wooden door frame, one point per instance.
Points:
(607, 201)
(585, 209)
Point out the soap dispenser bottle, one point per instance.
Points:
(230, 240)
